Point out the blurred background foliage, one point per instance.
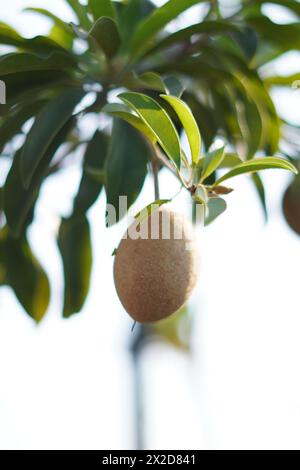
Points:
(219, 63)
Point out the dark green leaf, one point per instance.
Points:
(48, 123)
(74, 242)
(174, 86)
(206, 27)
(24, 62)
(18, 201)
(158, 121)
(13, 123)
(126, 165)
(106, 35)
(134, 12)
(102, 8)
(93, 163)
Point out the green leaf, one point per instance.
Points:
(158, 121)
(81, 13)
(147, 211)
(157, 20)
(211, 163)
(102, 8)
(133, 13)
(26, 276)
(56, 20)
(74, 242)
(24, 62)
(174, 86)
(48, 123)
(258, 164)
(12, 125)
(41, 45)
(93, 163)
(18, 201)
(152, 81)
(189, 124)
(205, 27)
(105, 33)
(215, 207)
(259, 186)
(126, 165)
(230, 160)
(122, 111)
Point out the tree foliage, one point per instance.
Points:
(204, 79)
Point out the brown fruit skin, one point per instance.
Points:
(155, 277)
(291, 207)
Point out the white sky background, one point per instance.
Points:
(67, 384)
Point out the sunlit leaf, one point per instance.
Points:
(122, 111)
(158, 121)
(212, 161)
(26, 276)
(189, 124)
(258, 164)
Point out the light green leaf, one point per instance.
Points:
(26, 277)
(101, 8)
(157, 20)
(158, 121)
(189, 124)
(48, 123)
(215, 207)
(258, 164)
(74, 242)
(212, 161)
(122, 111)
(106, 35)
(230, 160)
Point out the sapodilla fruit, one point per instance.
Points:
(291, 206)
(156, 266)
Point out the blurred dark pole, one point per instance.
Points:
(138, 343)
